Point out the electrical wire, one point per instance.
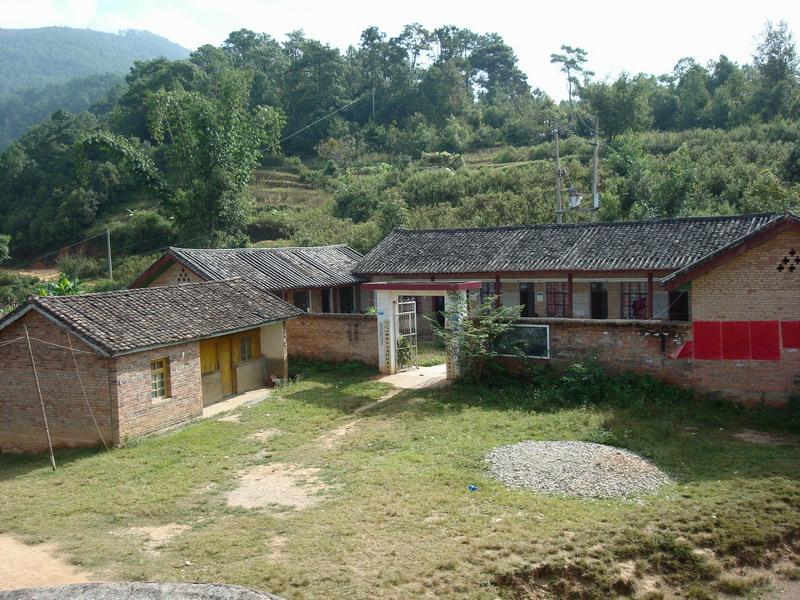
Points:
(291, 135)
(30, 262)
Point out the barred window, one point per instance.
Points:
(488, 290)
(159, 378)
(557, 298)
(634, 300)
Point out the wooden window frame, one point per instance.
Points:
(556, 298)
(160, 380)
(246, 347)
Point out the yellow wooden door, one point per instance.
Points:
(226, 366)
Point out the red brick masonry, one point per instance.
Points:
(118, 390)
(644, 347)
(334, 337)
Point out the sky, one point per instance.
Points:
(618, 36)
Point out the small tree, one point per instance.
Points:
(5, 242)
(63, 286)
(471, 339)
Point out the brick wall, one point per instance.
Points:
(617, 345)
(750, 287)
(137, 412)
(643, 347)
(334, 337)
(21, 423)
(176, 273)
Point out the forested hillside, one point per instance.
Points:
(270, 142)
(33, 57)
(43, 70)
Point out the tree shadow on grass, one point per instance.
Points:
(16, 465)
(689, 437)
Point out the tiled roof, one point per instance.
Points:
(664, 244)
(129, 320)
(275, 268)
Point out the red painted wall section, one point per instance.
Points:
(743, 340)
(707, 337)
(735, 340)
(765, 340)
(790, 332)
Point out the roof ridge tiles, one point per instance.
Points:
(127, 291)
(588, 224)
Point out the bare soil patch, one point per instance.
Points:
(157, 537)
(264, 434)
(762, 437)
(236, 418)
(23, 566)
(330, 439)
(277, 483)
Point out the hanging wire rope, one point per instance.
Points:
(58, 345)
(85, 397)
(9, 342)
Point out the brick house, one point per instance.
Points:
(317, 279)
(127, 363)
(632, 293)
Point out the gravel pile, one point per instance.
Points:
(574, 468)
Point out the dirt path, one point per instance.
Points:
(414, 379)
(23, 566)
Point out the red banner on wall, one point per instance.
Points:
(790, 332)
(765, 340)
(743, 340)
(707, 337)
(735, 340)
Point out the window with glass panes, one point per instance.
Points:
(557, 301)
(245, 348)
(159, 378)
(633, 296)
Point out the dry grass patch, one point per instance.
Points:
(276, 483)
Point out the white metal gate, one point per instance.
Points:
(406, 320)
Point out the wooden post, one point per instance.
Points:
(569, 295)
(41, 400)
(498, 290)
(649, 296)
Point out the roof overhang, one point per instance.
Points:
(788, 222)
(24, 309)
(422, 286)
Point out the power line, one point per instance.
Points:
(364, 95)
(30, 262)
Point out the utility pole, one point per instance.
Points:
(108, 246)
(559, 205)
(595, 195)
(373, 99)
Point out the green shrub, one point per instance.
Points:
(80, 266)
(269, 224)
(144, 231)
(15, 289)
(131, 267)
(107, 285)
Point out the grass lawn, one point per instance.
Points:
(430, 354)
(397, 519)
